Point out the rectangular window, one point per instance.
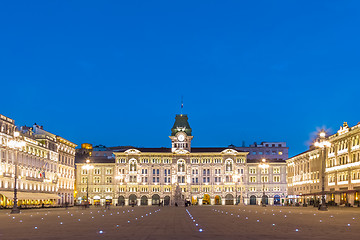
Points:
(264, 179)
(276, 178)
(108, 179)
(276, 170)
(96, 179)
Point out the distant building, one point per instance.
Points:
(45, 166)
(210, 175)
(273, 151)
(342, 170)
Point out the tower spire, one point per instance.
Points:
(182, 104)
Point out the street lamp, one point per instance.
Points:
(16, 144)
(263, 165)
(322, 143)
(237, 181)
(87, 167)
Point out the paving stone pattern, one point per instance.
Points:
(196, 222)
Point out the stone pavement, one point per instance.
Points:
(205, 222)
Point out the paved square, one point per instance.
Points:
(205, 222)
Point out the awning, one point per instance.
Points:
(30, 196)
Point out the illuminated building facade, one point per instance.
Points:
(149, 176)
(341, 170)
(44, 163)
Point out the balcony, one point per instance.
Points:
(356, 147)
(340, 152)
(340, 167)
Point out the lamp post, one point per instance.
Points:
(236, 200)
(87, 167)
(322, 143)
(263, 165)
(237, 181)
(16, 144)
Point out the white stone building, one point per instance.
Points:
(38, 166)
(146, 176)
(340, 164)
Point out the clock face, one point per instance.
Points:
(181, 137)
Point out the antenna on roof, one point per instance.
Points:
(182, 104)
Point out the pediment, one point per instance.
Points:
(230, 152)
(132, 151)
(181, 151)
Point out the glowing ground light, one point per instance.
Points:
(348, 224)
(296, 230)
(200, 230)
(101, 232)
(35, 227)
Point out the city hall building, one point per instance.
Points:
(206, 176)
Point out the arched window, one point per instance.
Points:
(228, 165)
(181, 166)
(132, 165)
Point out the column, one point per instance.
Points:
(200, 201)
(126, 202)
(223, 201)
(351, 198)
(149, 201)
(337, 198)
(212, 201)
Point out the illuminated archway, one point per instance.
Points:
(155, 199)
(144, 200)
(253, 200)
(217, 200)
(229, 199)
(206, 199)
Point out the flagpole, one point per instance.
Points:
(182, 105)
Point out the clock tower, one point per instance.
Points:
(181, 134)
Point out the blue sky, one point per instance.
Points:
(113, 72)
